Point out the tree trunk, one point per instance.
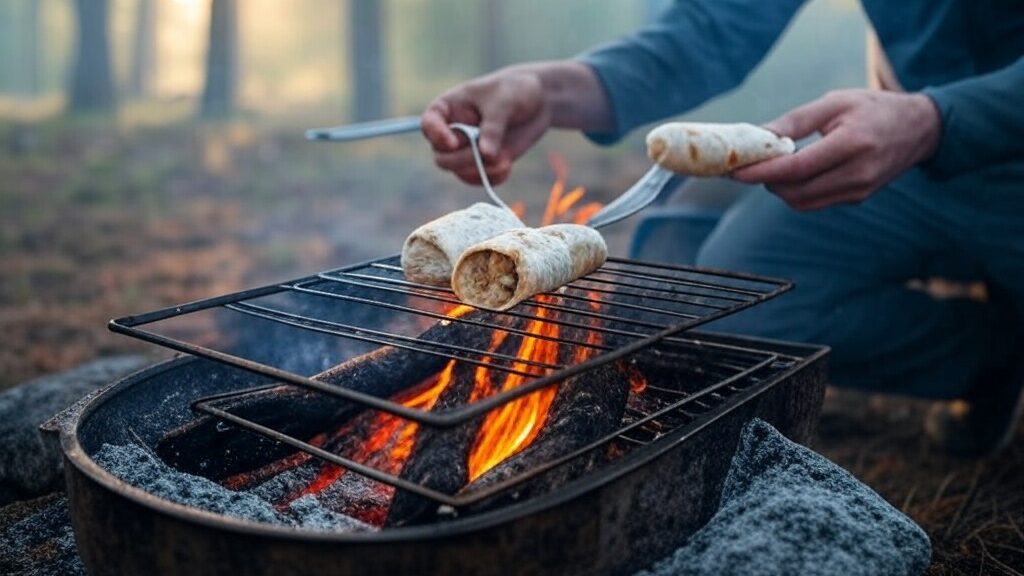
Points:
(370, 91)
(143, 55)
(492, 43)
(92, 83)
(32, 47)
(221, 60)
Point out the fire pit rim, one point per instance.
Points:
(65, 426)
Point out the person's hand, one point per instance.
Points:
(869, 137)
(511, 110)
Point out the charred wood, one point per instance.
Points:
(439, 457)
(206, 447)
(586, 408)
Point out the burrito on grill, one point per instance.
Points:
(701, 149)
(432, 249)
(501, 272)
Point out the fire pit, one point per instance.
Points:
(579, 433)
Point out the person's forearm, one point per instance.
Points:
(574, 95)
(982, 123)
(695, 50)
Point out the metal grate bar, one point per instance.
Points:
(705, 272)
(466, 499)
(454, 301)
(461, 320)
(559, 322)
(378, 337)
(575, 285)
(568, 296)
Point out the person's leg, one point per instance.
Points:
(851, 265)
(673, 232)
(985, 211)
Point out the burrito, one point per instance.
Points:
(432, 249)
(699, 149)
(501, 272)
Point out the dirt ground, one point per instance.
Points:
(98, 223)
(972, 510)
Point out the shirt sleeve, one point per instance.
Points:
(982, 121)
(695, 50)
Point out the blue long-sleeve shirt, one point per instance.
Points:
(967, 55)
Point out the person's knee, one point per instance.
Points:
(743, 245)
(722, 252)
(739, 241)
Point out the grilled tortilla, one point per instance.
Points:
(501, 272)
(700, 149)
(432, 249)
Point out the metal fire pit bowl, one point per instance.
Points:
(616, 520)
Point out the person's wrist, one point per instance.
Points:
(928, 122)
(574, 96)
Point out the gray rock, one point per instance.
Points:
(788, 510)
(41, 542)
(28, 467)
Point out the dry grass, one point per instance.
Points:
(972, 510)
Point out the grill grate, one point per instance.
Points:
(615, 301)
(634, 306)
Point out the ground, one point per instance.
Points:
(973, 510)
(98, 223)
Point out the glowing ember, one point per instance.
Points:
(390, 439)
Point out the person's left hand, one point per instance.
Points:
(869, 137)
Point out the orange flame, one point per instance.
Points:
(506, 430)
(512, 427)
(391, 438)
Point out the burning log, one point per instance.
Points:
(520, 435)
(204, 446)
(439, 457)
(443, 459)
(586, 408)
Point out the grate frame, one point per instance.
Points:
(712, 282)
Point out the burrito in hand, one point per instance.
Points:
(700, 149)
(499, 273)
(432, 249)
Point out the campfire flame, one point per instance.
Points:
(512, 427)
(386, 442)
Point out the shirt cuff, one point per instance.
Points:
(949, 157)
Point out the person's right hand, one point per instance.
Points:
(512, 111)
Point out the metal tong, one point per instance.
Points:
(652, 186)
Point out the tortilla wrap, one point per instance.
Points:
(499, 273)
(431, 250)
(700, 149)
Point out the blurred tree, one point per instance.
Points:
(33, 49)
(140, 75)
(366, 29)
(221, 60)
(492, 40)
(92, 83)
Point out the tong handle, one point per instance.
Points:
(405, 124)
(350, 132)
(473, 135)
